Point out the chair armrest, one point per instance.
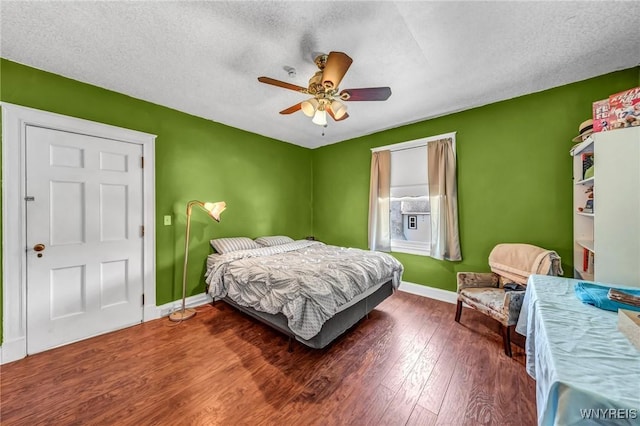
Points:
(512, 304)
(476, 279)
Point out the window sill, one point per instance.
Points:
(410, 247)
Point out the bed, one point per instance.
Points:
(310, 291)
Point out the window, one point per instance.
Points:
(409, 205)
(410, 216)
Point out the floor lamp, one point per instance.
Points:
(214, 210)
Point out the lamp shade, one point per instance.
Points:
(215, 209)
(320, 118)
(309, 107)
(339, 109)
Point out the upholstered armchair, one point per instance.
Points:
(485, 291)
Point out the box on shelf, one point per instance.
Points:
(588, 206)
(624, 109)
(601, 115)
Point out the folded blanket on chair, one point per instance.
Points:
(596, 295)
(517, 261)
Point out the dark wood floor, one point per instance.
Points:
(409, 363)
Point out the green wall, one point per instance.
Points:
(514, 177)
(266, 183)
(513, 170)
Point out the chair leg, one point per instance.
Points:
(506, 339)
(458, 310)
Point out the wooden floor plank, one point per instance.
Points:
(222, 367)
(437, 383)
(414, 339)
(422, 417)
(384, 356)
(406, 397)
(479, 409)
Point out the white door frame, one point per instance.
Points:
(15, 119)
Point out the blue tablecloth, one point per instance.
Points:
(582, 364)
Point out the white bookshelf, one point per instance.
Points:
(583, 223)
(611, 234)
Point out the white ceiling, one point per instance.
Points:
(204, 58)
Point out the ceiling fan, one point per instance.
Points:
(323, 86)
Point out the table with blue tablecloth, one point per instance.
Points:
(583, 365)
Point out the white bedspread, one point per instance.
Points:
(580, 360)
(307, 281)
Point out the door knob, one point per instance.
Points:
(39, 247)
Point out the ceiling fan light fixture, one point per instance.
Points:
(320, 117)
(310, 106)
(327, 99)
(339, 109)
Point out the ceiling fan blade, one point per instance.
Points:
(283, 84)
(344, 117)
(292, 109)
(336, 67)
(367, 94)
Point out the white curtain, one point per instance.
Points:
(443, 197)
(379, 189)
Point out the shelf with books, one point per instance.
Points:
(583, 219)
(587, 244)
(588, 262)
(588, 181)
(587, 159)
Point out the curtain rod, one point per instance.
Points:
(416, 143)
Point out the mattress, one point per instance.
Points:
(307, 282)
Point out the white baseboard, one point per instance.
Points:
(151, 312)
(16, 349)
(431, 292)
(190, 302)
(13, 350)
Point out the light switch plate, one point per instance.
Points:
(167, 220)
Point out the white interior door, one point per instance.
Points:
(85, 207)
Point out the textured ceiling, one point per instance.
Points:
(204, 58)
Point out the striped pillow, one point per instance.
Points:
(228, 245)
(273, 241)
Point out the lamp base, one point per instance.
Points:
(182, 315)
